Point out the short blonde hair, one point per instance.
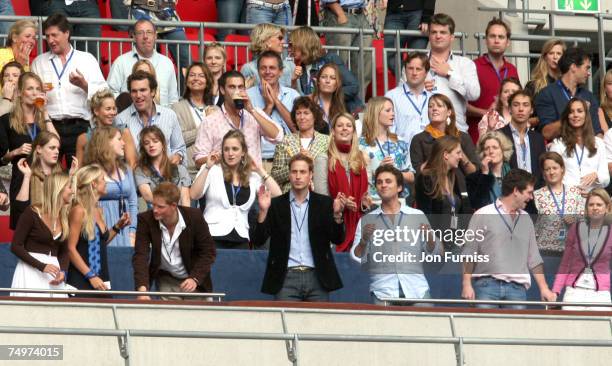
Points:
(17, 28)
(261, 34)
(307, 41)
(502, 140)
(216, 46)
(97, 99)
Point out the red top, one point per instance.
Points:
(490, 82)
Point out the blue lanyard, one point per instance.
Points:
(382, 217)
(325, 115)
(33, 131)
(59, 75)
(198, 111)
(510, 229)
(524, 153)
(452, 202)
(381, 149)
(299, 224)
(560, 211)
(497, 71)
(579, 159)
(564, 90)
(419, 111)
(235, 192)
(120, 186)
(590, 251)
(157, 173)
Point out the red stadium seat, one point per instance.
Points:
(22, 7)
(238, 53)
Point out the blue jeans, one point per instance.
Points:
(257, 14)
(78, 9)
(229, 11)
(6, 8)
(489, 288)
(408, 20)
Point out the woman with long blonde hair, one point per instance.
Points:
(343, 171)
(106, 148)
(39, 239)
(546, 70)
(380, 146)
(89, 233)
(230, 182)
(19, 129)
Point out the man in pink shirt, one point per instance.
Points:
(492, 68)
(237, 113)
(505, 240)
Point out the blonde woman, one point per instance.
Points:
(380, 146)
(103, 112)
(546, 71)
(39, 240)
(215, 59)
(267, 37)
(89, 233)
(343, 170)
(20, 42)
(106, 148)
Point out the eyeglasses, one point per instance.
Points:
(142, 33)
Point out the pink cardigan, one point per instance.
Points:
(574, 262)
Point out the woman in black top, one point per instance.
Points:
(89, 234)
(19, 129)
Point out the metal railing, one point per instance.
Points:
(547, 304)
(292, 339)
(214, 296)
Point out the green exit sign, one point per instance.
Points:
(590, 6)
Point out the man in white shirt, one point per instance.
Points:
(391, 279)
(275, 99)
(451, 75)
(70, 77)
(145, 38)
(173, 247)
(145, 112)
(410, 99)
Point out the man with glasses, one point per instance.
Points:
(145, 37)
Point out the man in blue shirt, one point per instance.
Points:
(300, 225)
(392, 279)
(275, 99)
(575, 67)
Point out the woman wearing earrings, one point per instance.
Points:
(442, 123)
(230, 183)
(308, 118)
(106, 148)
(380, 146)
(89, 234)
(328, 92)
(155, 167)
(584, 154)
(39, 240)
(264, 37)
(584, 272)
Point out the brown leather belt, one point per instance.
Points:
(154, 5)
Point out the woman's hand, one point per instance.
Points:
(59, 278)
(24, 167)
(588, 180)
(8, 90)
(388, 160)
(97, 283)
(213, 158)
(124, 220)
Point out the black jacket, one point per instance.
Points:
(322, 230)
(536, 149)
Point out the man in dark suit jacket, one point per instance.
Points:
(178, 243)
(301, 224)
(521, 107)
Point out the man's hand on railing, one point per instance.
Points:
(548, 295)
(144, 297)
